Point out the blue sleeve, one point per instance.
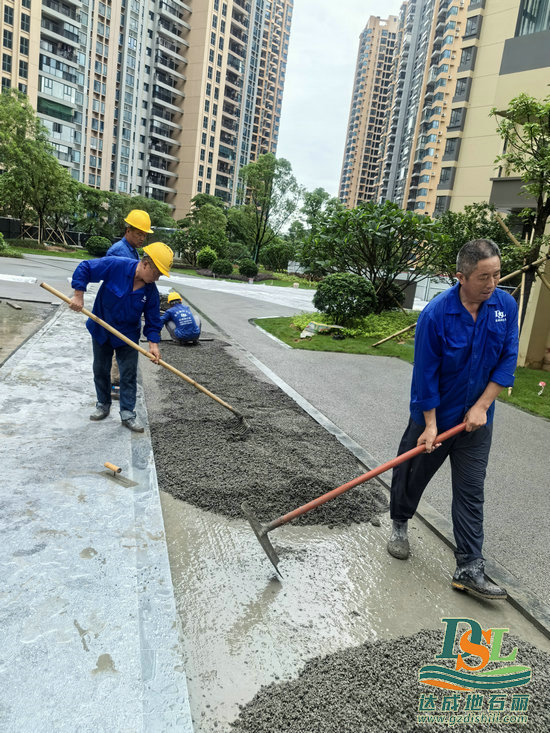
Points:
(113, 251)
(166, 316)
(90, 271)
(427, 362)
(503, 373)
(153, 322)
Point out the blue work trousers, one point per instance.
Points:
(468, 453)
(127, 359)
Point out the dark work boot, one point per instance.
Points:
(101, 412)
(472, 579)
(398, 544)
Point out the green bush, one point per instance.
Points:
(6, 251)
(345, 296)
(222, 267)
(206, 257)
(248, 268)
(276, 256)
(98, 246)
(374, 326)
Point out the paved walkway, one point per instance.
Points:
(89, 630)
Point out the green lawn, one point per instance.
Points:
(284, 330)
(524, 393)
(525, 389)
(80, 254)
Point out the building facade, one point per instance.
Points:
(161, 98)
(368, 110)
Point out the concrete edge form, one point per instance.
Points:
(91, 632)
(523, 600)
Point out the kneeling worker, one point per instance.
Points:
(182, 325)
(128, 291)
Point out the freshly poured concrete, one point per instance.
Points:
(89, 629)
(244, 628)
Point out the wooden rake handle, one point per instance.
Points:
(139, 348)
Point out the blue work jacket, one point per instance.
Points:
(117, 302)
(122, 248)
(187, 328)
(455, 358)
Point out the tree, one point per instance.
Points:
(203, 227)
(33, 185)
(241, 226)
(379, 242)
(525, 129)
(477, 221)
(272, 196)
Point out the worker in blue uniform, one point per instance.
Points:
(128, 291)
(182, 325)
(466, 346)
(138, 226)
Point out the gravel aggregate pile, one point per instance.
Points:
(374, 688)
(285, 461)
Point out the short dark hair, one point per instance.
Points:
(149, 261)
(474, 251)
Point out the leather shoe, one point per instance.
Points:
(398, 544)
(100, 413)
(472, 579)
(133, 425)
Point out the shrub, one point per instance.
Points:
(6, 251)
(345, 296)
(276, 256)
(206, 257)
(98, 246)
(27, 244)
(248, 268)
(222, 267)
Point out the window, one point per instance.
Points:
(26, 3)
(8, 39)
(24, 46)
(23, 69)
(446, 175)
(452, 147)
(424, 179)
(473, 26)
(534, 16)
(25, 22)
(6, 62)
(457, 118)
(467, 60)
(422, 192)
(8, 15)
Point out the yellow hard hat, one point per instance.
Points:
(139, 220)
(162, 256)
(173, 296)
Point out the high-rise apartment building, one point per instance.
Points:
(368, 110)
(162, 98)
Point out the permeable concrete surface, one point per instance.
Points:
(89, 630)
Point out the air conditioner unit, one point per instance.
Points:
(436, 156)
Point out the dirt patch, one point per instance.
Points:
(287, 459)
(374, 687)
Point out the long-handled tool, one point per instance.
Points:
(261, 530)
(242, 427)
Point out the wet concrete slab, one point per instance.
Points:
(89, 630)
(243, 627)
(17, 324)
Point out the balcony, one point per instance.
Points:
(61, 9)
(229, 124)
(58, 29)
(64, 51)
(171, 11)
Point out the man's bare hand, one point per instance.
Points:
(428, 437)
(77, 301)
(475, 418)
(154, 351)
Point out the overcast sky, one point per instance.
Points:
(324, 40)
